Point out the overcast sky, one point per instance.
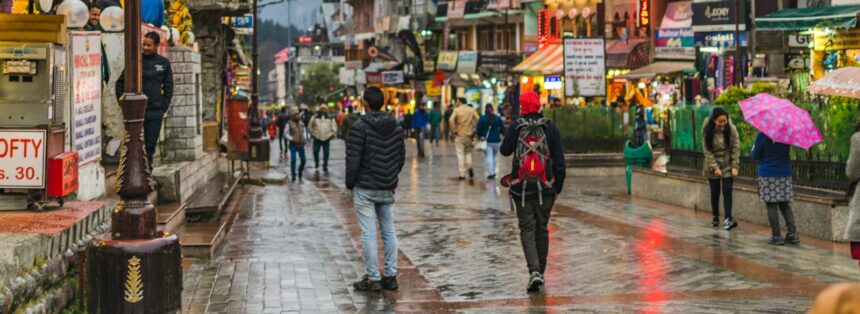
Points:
(303, 13)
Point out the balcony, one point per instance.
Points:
(227, 7)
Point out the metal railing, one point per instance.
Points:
(808, 170)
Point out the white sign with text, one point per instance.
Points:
(86, 95)
(22, 158)
(584, 67)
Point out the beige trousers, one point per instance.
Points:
(464, 149)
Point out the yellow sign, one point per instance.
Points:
(836, 40)
(433, 91)
(447, 60)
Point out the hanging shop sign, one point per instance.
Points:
(717, 16)
(797, 61)
(468, 62)
(718, 39)
(836, 40)
(447, 60)
(346, 76)
(22, 158)
(674, 43)
(392, 77)
(799, 40)
(456, 9)
(86, 95)
(584, 67)
(678, 15)
(643, 13)
(552, 82)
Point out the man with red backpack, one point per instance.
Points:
(536, 180)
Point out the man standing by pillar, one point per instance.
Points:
(463, 121)
(157, 81)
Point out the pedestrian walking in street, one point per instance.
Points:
(446, 120)
(157, 84)
(323, 128)
(852, 171)
(295, 133)
(490, 127)
(419, 123)
(537, 178)
(435, 124)
(375, 154)
(775, 187)
(283, 119)
(463, 121)
(721, 147)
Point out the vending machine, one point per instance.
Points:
(33, 162)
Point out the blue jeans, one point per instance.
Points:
(492, 153)
(434, 133)
(373, 205)
(300, 150)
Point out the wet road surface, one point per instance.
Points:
(294, 248)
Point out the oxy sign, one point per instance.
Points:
(22, 158)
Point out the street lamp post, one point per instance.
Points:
(135, 268)
(257, 146)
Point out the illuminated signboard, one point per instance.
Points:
(643, 11)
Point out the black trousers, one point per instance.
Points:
(534, 233)
(773, 210)
(151, 133)
(725, 186)
(282, 142)
(325, 148)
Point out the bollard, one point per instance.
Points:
(135, 268)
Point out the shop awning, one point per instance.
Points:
(806, 18)
(547, 60)
(658, 68)
(842, 82)
(620, 54)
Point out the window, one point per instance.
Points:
(503, 39)
(487, 39)
(464, 39)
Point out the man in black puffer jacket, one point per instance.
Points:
(375, 154)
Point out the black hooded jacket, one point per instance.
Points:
(157, 83)
(375, 152)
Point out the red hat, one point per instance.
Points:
(529, 103)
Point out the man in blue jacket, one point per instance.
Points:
(419, 122)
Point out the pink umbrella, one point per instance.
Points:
(780, 120)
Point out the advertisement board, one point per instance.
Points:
(86, 95)
(447, 60)
(392, 77)
(468, 62)
(674, 43)
(715, 16)
(584, 67)
(22, 158)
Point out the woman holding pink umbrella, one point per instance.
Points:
(721, 147)
(774, 186)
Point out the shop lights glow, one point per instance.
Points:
(525, 80)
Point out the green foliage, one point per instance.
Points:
(316, 81)
(590, 122)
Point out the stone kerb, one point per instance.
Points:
(182, 134)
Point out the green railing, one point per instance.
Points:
(592, 129)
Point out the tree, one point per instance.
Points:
(318, 81)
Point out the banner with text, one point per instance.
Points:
(584, 67)
(86, 95)
(22, 158)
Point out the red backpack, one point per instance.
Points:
(533, 158)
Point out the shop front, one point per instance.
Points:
(816, 40)
(719, 60)
(542, 74)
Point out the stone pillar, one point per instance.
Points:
(183, 139)
(111, 114)
(213, 38)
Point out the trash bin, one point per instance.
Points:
(636, 156)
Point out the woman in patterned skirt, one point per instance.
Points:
(774, 186)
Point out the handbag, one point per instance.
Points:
(482, 144)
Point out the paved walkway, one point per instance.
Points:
(294, 248)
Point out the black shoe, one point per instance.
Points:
(293, 179)
(471, 174)
(389, 283)
(716, 221)
(365, 284)
(776, 240)
(462, 178)
(729, 224)
(792, 238)
(491, 176)
(535, 281)
(325, 169)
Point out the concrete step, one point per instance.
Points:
(171, 217)
(212, 197)
(203, 239)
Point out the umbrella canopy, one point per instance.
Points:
(780, 120)
(842, 82)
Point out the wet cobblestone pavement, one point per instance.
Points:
(295, 248)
